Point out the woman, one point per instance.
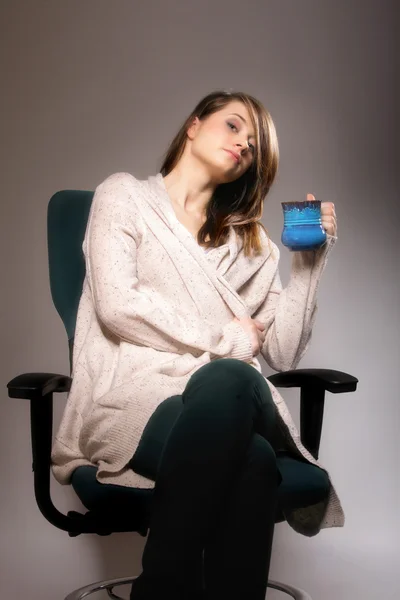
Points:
(179, 274)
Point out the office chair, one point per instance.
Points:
(67, 217)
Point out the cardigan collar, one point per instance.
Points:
(215, 263)
(166, 211)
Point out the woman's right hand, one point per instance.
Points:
(255, 330)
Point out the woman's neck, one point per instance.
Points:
(190, 188)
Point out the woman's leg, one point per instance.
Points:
(206, 451)
(237, 556)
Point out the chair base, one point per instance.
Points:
(110, 584)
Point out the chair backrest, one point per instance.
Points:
(67, 217)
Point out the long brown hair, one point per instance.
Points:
(239, 203)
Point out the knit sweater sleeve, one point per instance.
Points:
(110, 249)
(289, 313)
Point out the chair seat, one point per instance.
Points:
(303, 484)
(119, 508)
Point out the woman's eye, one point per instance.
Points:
(234, 128)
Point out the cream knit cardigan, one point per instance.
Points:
(154, 309)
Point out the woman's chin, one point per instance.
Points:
(223, 174)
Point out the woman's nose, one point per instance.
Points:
(243, 145)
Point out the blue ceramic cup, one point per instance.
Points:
(302, 227)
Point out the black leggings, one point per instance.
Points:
(216, 489)
(211, 453)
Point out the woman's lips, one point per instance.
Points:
(234, 155)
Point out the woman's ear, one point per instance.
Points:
(191, 132)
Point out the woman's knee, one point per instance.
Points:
(226, 370)
(232, 373)
(230, 383)
(220, 382)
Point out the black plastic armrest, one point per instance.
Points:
(29, 386)
(313, 383)
(336, 382)
(39, 389)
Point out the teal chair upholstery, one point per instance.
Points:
(67, 216)
(113, 508)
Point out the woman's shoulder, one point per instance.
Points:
(269, 248)
(119, 180)
(121, 189)
(118, 196)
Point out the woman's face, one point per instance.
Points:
(224, 142)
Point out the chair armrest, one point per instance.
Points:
(336, 382)
(313, 383)
(30, 386)
(35, 387)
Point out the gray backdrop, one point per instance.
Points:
(91, 88)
